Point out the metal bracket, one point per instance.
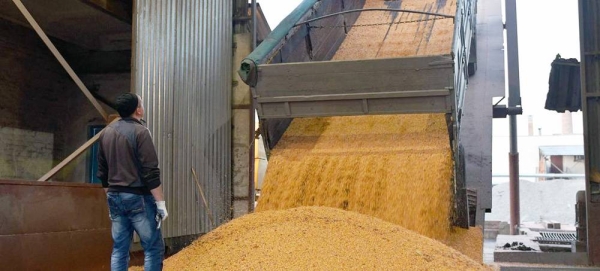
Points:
(308, 40)
(501, 111)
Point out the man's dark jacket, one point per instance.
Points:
(127, 160)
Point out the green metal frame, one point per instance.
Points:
(268, 47)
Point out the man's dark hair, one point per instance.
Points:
(126, 104)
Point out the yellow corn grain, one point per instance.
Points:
(467, 241)
(316, 238)
(394, 169)
(397, 168)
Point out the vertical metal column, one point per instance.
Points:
(514, 100)
(254, 36)
(243, 112)
(589, 34)
(252, 149)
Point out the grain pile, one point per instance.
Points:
(380, 169)
(467, 241)
(316, 238)
(397, 168)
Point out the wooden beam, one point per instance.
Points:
(72, 157)
(60, 58)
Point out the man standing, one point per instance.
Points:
(128, 169)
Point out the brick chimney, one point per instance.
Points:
(567, 123)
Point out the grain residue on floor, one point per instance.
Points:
(467, 241)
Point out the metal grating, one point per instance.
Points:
(558, 238)
(472, 205)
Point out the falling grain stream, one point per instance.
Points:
(380, 186)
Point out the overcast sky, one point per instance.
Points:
(277, 10)
(546, 27)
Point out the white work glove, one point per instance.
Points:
(161, 209)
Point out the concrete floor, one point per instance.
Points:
(515, 267)
(488, 258)
(488, 250)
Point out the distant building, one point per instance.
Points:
(561, 159)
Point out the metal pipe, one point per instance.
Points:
(513, 187)
(254, 22)
(251, 156)
(375, 9)
(514, 100)
(252, 125)
(513, 134)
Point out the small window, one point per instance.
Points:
(93, 159)
(578, 158)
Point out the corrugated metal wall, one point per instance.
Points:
(182, 70)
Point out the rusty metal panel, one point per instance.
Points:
(54, 226)
(182, 69)
(50, 207)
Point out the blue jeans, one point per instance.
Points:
(130, 212)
